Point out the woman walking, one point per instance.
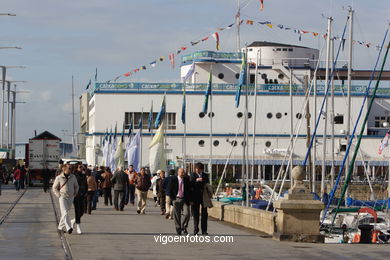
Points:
(65, 187)
(92, 187)
(107, 185)
(78, 201)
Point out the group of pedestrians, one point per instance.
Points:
(179, 195)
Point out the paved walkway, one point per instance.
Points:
(109, 234)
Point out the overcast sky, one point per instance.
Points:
(61, 38)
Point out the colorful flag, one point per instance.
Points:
(183, 48)
(249, 22)
(150, 119)
(172, 60)
(315, 34)
(153, 64)
(261, 4)
(384, 143)
(229, 26)
(205, 39)
(128, 74)
(189, 73)
(88, 85)
(207, 94)
(194, 43)
(161, 114)
(183, 106)
(216, 37)
(241, 80)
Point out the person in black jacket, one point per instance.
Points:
(179, 192)
(119, 182)
(45, 178)
(198, 179)
(78, 201)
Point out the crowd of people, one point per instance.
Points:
(178, 194)
(18, 175)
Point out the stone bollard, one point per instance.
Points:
(298, 215)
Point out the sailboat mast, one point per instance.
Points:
(238, 21)
(329, 33)
(332, 170)
(73, 133)
(254, 117)
(349, 80)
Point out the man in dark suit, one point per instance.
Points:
(179, 192)
(198, 179)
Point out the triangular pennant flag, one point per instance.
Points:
(249, 22)
(261, 5)
(153, 64)
(216, 37)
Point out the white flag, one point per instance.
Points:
(189, 73)
(133, 152)
(119, 154)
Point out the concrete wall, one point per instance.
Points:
(260, 220)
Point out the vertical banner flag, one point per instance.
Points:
(261, 5)
(183, 106)
(216, 37)
(189, 73)
(172, 60)
(150, 119)
(161, 114)
(384, 143)
(207, 94)
(157, 160)
(88, 85)
(140, 121)
(241, 79)
(133, 152)
(96, 75)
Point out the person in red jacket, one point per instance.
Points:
(17, 178)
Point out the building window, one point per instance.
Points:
(269, 115)
(280, 76)
(284, 49)
(290, 49)
(249, 115)
(201, 114)
(343, 147)
(201, 143)
(250, 49)
(278, 115)
(339, 119)
(239, 114)
(278, 49)
(210, 114)
(264, 76)
(285, 114)
(379, 120)
(298, 115)
(252, 78)
(135, 118)
(237, 75)
(234, 143)
(221, 76)
(268, 144)
(216, 143)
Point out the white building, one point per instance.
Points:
(111, 104)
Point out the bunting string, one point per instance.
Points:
(249, 22)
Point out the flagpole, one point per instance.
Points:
(211, 130)
(185, 129)
(238, 17)
(140, 142)
(254, 119)
(246, 132)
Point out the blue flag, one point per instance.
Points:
(150, 119)
(183, 107)
(89, 84)
(160, 115)
(241, 80)
(130, 129)
(207, 94)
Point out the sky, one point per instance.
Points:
(62, 38)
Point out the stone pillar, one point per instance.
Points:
(298, 215)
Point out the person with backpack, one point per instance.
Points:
(65, 187)
(107, 185)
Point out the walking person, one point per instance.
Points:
(161, 191)
(156, 176)
(142, 185)
(198, 181)
(79, 200)
(179, 190)
(92, 187)
(65, 187)
(130, 192)
(17, 178)
(45, 178)
(119, 181)
(107, 185)
(168, 201)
